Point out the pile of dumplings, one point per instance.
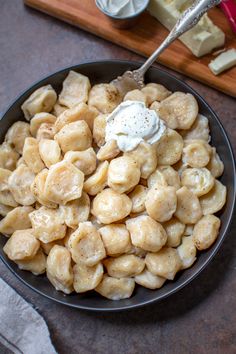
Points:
(93, 217)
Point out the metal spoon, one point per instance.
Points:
(131, 80)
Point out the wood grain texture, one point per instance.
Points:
(144, 38)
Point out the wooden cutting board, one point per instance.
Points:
(144, 38)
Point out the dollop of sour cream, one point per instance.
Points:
(121, 8)
(131, 123)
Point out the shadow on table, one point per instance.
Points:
(187, 298)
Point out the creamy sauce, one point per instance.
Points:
(131, 123)
(121, 8)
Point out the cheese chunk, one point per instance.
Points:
(223, 62)
(201, 39)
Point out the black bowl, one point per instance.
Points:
(104, 71)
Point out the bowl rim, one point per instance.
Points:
(115, 17)
(232, 206)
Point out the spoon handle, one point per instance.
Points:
(189, 19)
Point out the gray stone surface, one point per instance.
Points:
(201, 318)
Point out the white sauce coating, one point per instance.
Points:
(131, 123)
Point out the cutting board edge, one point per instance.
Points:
(101, 35)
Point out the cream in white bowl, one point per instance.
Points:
(121, 8)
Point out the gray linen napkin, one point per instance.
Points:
(22, 329)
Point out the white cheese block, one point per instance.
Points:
(201, 39)
(223, 62)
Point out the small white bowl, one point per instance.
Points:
(124, 22)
